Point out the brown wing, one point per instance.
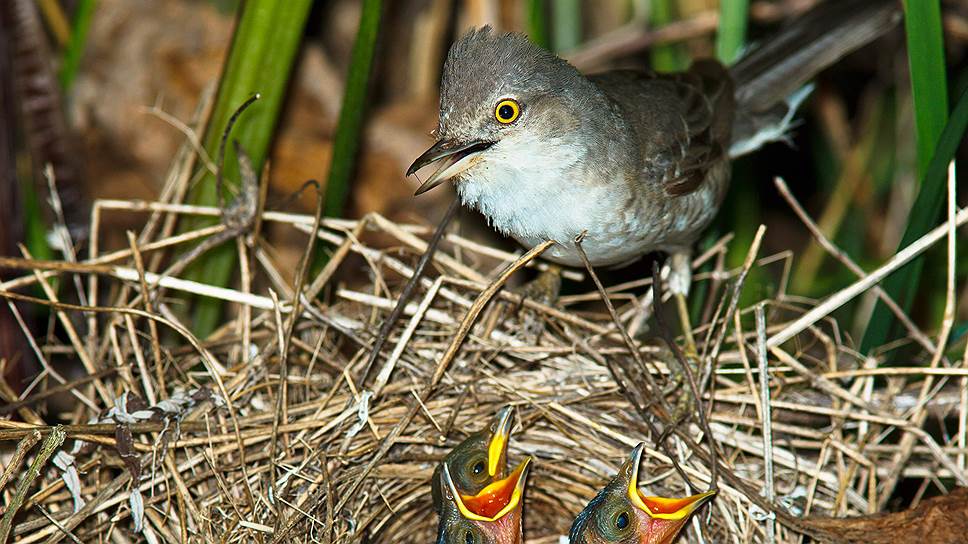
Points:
(683, 120)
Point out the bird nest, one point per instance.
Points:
(309, 419)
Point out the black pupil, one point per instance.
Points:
(468, 538)
(479, 467)
(506, 112)
(622, 521)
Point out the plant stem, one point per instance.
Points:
(731, 34)
(347, 140)
(537, 22)
(667, 57)
(925, 41)
(260, 61)
(566, 26)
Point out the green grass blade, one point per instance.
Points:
(666, 57)
(903, 284)
(260, 61)
(347, 141)
(731, 34)
(566, 24)
(83, 16)
(536, 18)
(925, 42)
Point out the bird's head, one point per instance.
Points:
(492, 516)
(502, 98)
(478, 461)
(621, 513)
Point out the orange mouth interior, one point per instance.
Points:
(662, 505)
(495, 497)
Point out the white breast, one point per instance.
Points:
(542, 197)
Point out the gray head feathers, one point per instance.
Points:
(484, 66)
(483, 57)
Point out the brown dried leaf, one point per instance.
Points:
(939, 520)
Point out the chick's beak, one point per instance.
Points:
(670, 509)
(494, 501)
(498, 446)
(456, 156)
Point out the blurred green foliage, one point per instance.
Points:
(83, 15)
(536, 19)
(671, 56)
(566, 24)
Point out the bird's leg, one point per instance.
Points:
(676, 272)
(642, 314)
(679, 278)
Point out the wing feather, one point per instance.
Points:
(683, 120)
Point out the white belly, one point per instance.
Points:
(534, 201)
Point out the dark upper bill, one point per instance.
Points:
(454, 156)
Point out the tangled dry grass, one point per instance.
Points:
(279, 428)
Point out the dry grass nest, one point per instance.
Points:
(280, 426)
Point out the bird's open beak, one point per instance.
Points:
(456, 157)
(494, 501)
(498, 446)
(660, 507)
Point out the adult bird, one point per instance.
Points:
(635, 160)
(492, 516)
(622, 513)
(478, 461)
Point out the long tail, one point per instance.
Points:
(770, 80)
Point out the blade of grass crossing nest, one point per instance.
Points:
(456, 341)
(653, 388)
(408, 290)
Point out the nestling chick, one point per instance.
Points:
(621, 513)
(480, 460)
(492, 516)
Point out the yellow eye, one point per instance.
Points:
(507, 111)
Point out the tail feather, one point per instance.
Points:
(770, 79)
(751, 132)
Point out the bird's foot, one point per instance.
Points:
(543, 289)
(678, 389)
(677, 273)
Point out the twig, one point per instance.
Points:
(220, 157)
(653, 388)
(53, 441)
(408, 290)
(282, 399)
(845, 259)
(920, 414)
(846, 294)
(761, 358)
(384, 376)
(24, 446)
(456, 341)
(159, 365)
(666, 334)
